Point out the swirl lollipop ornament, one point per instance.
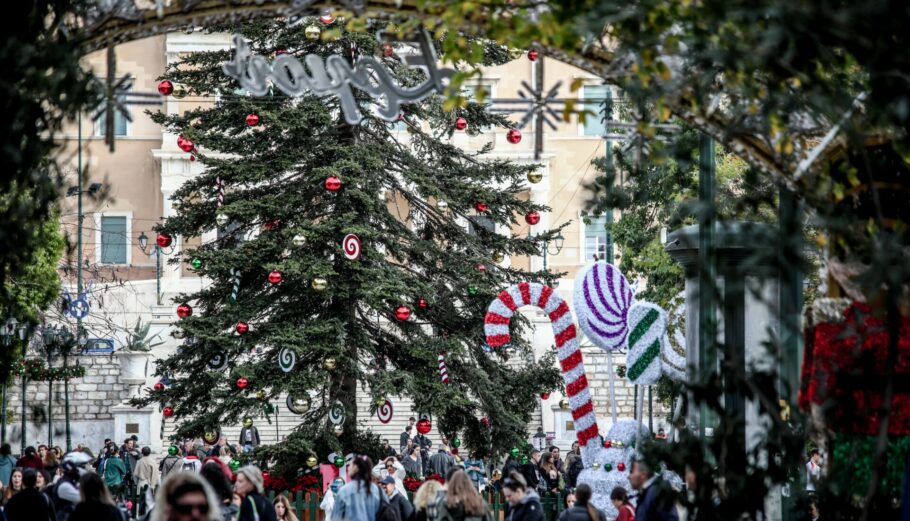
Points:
(287, 358)
(351, 246)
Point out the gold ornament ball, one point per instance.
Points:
(299, 405)
(311, 461)
(320, 284)
(312, 32)
(564, 404)
(338, 430)
(179, 92)
(329, 364)
(515, 53)
(498, 257)
(247, 422)
(497, 475)
(595, 465)
(299, 240)
(380, 402)
(260, 394)
(534, 177)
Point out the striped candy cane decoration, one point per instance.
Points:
(236, 287)
(496, 328)
(443, 371)
(220, 183)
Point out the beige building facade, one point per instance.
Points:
(147, 167)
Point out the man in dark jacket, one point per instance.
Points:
(29, 504)
(396, 500)
(655, 497)
(531, 470)
(405, 436)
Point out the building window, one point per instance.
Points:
(121, 125)
(114, 239)
(480, 221)
(593, 97)
(474, 93)
(595, 238)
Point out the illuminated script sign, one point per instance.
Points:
(335, 76)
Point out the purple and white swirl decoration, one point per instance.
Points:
(602, 301)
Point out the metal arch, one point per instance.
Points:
(122, 24)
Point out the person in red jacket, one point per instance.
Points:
(30, 460)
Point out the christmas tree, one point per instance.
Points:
(346, 259)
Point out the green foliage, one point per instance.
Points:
(411, 249)
(139, 340)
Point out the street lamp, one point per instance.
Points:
(558, 242)
(157, 251)
(60, 340)
(8, 333)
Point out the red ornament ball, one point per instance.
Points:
(482, 268)
(424, 426)
(533, 55)
(167, 412)
(332, 183)
(184, 310)
(485, 422)
(242, 327)
(461, 123)
(252, 120)
(275, 277)
(454, 451)
(422, 303)
(544, 396)
(327, 19)
(159, 386)
(280, 51)
(403, 313)
(165, 87)
(192, 158)
(513, 136)
(265, 474)
(608, 444)
(242, 383)
(480, 206)
(532, 218)
(621, 466)
(185, 144)
(164, 240)
(271, 224)
(387, 50)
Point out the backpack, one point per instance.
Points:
(188, 465)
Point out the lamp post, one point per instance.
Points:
(58, 340)
(157, 251)
(8, 334)
(557, 241)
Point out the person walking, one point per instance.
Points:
(96, 503)
(656, 501)
(554, 450)
(254, 507)
(65, 494)
(620, 499)
(147, 479)
(573, 465)
(190, 461)
(214, 475)
(359, 500)
(14, 486)
(524, 503)
(441, 462)
(114, 473)
(531, 472)
(7, 463)
(283, 508)
(813, 470)
(30, 460)
(405, 438)
(412, 464)
(170, 463)
(29, 504)
(461, 501)
(424, 497)
(396, 499)
(583, 509)
(185, 496)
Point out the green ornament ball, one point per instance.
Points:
(514, 452)
(608, 467)
(269, 408)
(234, 465)
(472, 290)
(456, 442)
(524, 460)
(172, 450)
(196, 263)
(339, 461)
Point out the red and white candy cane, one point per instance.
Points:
(443, 371)
(220, 183)
(496, 328)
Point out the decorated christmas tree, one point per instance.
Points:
(341, 259)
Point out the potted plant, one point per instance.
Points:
(135, 355)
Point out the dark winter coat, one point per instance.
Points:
(254, 436)
(29, 505)
(531, 472)
(529, 509)
(97, 511)
(404, 507)
(657, 503)
(263, 507)
(440, 463)
(578, 513)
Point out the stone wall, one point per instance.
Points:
(90, 398)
